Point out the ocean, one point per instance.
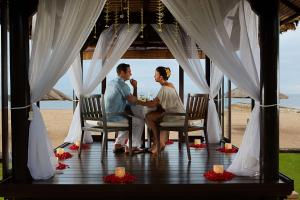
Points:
(292, 102)
(143, 72)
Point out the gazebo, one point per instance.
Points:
(173, 176)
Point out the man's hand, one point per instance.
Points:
(133, 83)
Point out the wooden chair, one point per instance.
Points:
(195, 118)
(94, 118)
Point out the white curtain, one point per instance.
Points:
(205, 20)
(213, 123)
(185, 51)
(112, 44)
(61, 28)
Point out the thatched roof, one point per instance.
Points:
(238, 93)
(289, 12)
(56, 95)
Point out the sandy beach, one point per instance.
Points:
(58, 122)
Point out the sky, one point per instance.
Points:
(289, 60)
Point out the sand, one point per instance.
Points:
(58, 122)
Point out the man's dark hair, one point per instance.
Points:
(122, 67)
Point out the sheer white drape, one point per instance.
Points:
(213, 122)
(111, 46)
(61, 28)
(246, 161)
(204, 20)
(75, 75)
(185, 51)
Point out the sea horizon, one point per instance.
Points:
(143, 72)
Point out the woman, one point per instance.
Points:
(167, 100)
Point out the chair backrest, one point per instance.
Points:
(91, 107)
(197, 106)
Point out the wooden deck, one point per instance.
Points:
(173, 176)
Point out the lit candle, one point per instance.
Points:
(120, 172)
(60, 151)
(77, 143)
(218, 169)
(197, 141)
(228, 146)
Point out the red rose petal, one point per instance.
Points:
(212, 176)
(169, 142)
(112, 179)
(64, 156)
(223, 150)
(74, 147)
(61, 166)
(198, 146)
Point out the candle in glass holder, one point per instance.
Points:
(228, 146)
(120, 172)
(60, 151)
(77, 143)
(197, 141)
(218, 169)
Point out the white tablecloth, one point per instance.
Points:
(141, 111)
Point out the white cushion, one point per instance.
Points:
(123, 123)
(180, 123)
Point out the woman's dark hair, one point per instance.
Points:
(165, 72)
(122, 67)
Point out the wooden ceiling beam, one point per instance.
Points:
(290, 18)
(291, 6)
(143, 54)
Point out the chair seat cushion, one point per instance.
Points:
(123, 123)
(180, 123)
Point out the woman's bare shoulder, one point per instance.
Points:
(170, 85)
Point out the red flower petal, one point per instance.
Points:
(61, 166)
(64, 156)
(74, 147)
(111, 178)
(212, 176)
(223, 150)
(198, 146)
(169, 142)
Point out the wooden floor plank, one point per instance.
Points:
(173, 176)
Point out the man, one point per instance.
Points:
(116, 97)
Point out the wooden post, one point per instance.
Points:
(4, 89)
(207, 70)
(222, 107)
(269, 52)
(20, 91)
(181, 84)
(252, 104)
(103, 86)
(229, 110)
(219, 107)
(181, 95)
